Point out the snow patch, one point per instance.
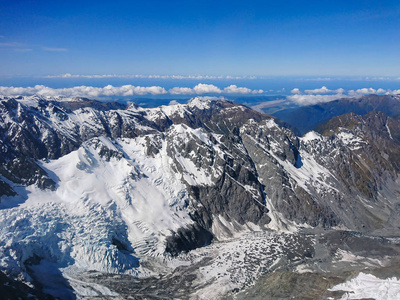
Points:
(271, 124)
(350, 140)
(388, 130)
(368, 286)
(311, 136)
(202, 102)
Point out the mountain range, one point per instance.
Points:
(306, 118)
(208, 199)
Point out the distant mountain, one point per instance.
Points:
(307, 118)
(110, 199)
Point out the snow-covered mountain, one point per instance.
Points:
(103, 187)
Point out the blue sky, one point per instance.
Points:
(281, 38)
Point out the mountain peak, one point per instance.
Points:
(203, 102)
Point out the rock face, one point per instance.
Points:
(174, 178)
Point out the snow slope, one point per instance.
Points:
(367, 286)
(113, 203)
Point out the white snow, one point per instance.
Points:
(85, 289)
(136, 199)
(175, 109)
(350, 140)
(224, 230)
(388, 130)
(311, 136)
(310, 174)
(192, 174)
(278, 222)
(271, 124)
(240, 261)
(201, 102)
(368, 286)
(30, 101)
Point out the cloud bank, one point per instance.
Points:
(202, 88)
(306, 97)
(323, 94)
(83, 91)
(313, 99)
(123, 91)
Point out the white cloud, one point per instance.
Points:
(234, 89)
(319, 95)
(352, 93)
(173, 102)
(181, 91)
(340, 91)
(202, 88)
(366, 91)
(394, 92)
(210, 88)
(322, 90)
(55, 49)
(124, 91)
(313, 99)
(83, 91)
(257, 91)
(295, 91)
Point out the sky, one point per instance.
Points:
(208, 38)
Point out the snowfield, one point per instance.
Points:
(128, 202)
(367, 286)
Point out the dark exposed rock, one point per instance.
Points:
(104, 150)
(13, 289)
(186, 239)
(6, 190)
(84, 102)
(25, 171)
(365, 168)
